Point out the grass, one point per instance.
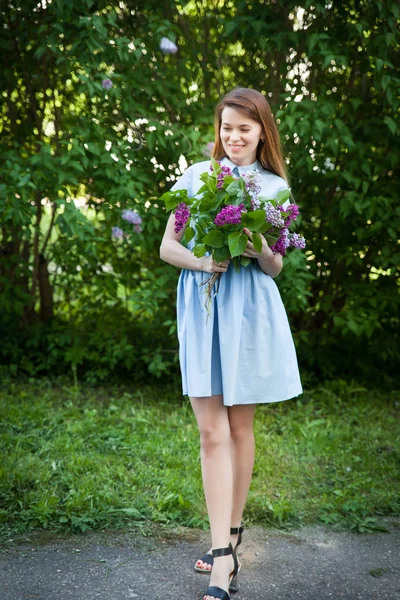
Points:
(98, 458)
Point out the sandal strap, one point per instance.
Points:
(222, 552)
(217, 593)
(207, 558)
(236, 530)
(226, 552)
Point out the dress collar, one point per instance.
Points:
(242, 169)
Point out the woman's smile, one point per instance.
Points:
(240, 136)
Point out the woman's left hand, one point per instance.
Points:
(251, 252)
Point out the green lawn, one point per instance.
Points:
(109, 457)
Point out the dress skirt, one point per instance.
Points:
(242, 347)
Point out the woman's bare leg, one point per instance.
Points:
(241, 420)
(217, 472)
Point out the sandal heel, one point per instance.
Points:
(218, 592)
(234, 584)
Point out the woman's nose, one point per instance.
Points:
(235, 135)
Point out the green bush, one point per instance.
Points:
(76, 153)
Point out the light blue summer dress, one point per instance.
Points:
(244, 348)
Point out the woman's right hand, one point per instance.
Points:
(208, 265)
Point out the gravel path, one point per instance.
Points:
(313, 563)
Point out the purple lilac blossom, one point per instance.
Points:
(273, 215)
(208, 149)
(252, 180)
(106, 84)
(131, 216)
(222, 174)
(297, 241)
(230, 214)
(182, 214)
(137, 229)
(117, 232)
(293, 211)
(282, 244)
(167, 46)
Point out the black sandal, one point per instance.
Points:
(218, 592)
(209, 559)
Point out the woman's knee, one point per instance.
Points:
(241, 424)
(214, 436)
(242, 434)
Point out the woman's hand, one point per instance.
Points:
(269, 262)
(251, 252)
(210, 266)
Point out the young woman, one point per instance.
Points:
(243, 354)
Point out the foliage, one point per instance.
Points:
(96, 458)
(223, 237)
(76, 152)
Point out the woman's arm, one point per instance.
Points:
(269, 262)
(174, 253)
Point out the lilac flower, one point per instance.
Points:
(131, 216)
(297, 241)
(137, 229)
(273, 215)
(167, 46)
(282, 244)
(208, 149)
(231, 215)
(182, 214)
(222, 174)
(107, 84)
(293, 211)
(117, 232)
(252, 180)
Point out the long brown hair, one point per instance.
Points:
(255, 106)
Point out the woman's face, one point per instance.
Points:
(240, 136)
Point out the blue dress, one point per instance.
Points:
(243, 348)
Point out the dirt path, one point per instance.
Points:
(313, 563)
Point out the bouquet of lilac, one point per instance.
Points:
(224, 205)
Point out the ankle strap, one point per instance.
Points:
(222, 551)
(236, 530)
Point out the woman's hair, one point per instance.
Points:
(255, 106)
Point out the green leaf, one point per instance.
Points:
(216, 166)
(254, 220)
(189, 234)
(172, 199)
(271, 239)
(218, 201)
(214, 238)
(221, 254)
(257, 242)
(233, 188)
(391, 123)
(245, 260)
(199, 250)
(205, 204)
(237, 243)
(282, 196)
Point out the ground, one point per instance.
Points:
(312, 563)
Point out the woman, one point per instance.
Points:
(243, 353)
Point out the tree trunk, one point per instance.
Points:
(46, 291)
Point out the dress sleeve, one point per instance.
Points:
(185, 182)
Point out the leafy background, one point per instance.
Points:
(74, 155)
